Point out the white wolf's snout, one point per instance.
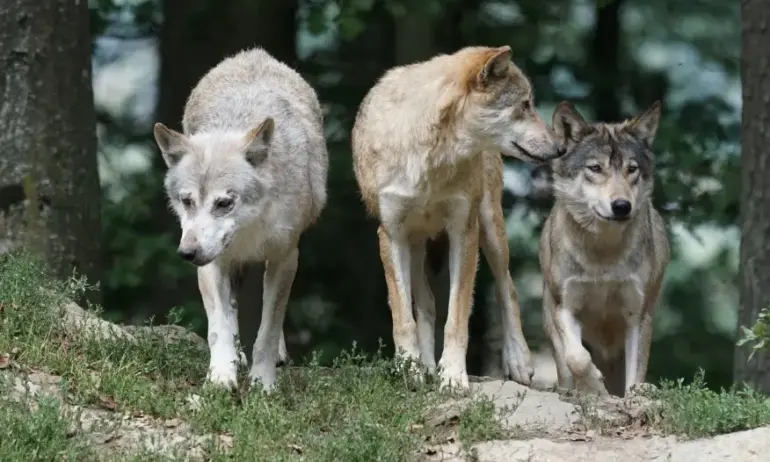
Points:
(204, 240)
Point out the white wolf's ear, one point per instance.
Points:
(258, 142)
(496, 65)
(568, 124)
(172, 144)
(645, 126)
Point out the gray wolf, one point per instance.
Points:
(426, 153)
(246, 178)
(603, 251)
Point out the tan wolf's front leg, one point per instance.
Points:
(278, 279)
(396, 261)
(517, 360)
(214, 286)
(463, 261)
(424, 307)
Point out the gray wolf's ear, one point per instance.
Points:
(172, 144)
(258, 142)
(645, 126)
(568, 124)
(496, 65)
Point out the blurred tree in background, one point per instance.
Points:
(612, 58)
(49, 185)
(755, 196)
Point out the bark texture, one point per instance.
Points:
(755, 185)
(49, 182)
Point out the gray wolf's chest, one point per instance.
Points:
(604, 291)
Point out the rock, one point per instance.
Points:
(747, 446)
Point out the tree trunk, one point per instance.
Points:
(605, 61)
(49, 183)
(755, 186)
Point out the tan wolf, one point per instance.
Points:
(426, 151)
(603, 252)
(246, 179)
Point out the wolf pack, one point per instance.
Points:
(247, 176)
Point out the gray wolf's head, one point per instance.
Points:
(215, 184)
(606, 175)
(499, 106)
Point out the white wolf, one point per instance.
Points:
(246, 179)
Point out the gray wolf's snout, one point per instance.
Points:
(621, 208)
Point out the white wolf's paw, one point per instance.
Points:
(242, 359)
(225, 376)
(283, 354)
(517, 365)
(263, 374)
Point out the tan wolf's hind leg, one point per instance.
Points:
(517, 360)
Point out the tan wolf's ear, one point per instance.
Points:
(173, 145)
(568, 124)
(496, 65)
(258, 141)
(645, 126)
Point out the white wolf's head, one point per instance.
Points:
(215, 184)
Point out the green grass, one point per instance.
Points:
(362, 408)
(693, 410)
(37, 430)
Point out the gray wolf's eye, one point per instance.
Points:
(595, 168)
(223, 203)
(632, 168)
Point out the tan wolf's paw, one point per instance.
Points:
(454, 380)
(452, 372)
(518, 367)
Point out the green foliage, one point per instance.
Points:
(758, 335)
(37, 432)
(695, 411)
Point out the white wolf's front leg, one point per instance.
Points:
(279, 277)
(214, 286)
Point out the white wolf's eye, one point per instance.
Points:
(223, 203)
(596, 168)
(186, 202)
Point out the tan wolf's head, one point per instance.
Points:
(497, 106)
(607, 173)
